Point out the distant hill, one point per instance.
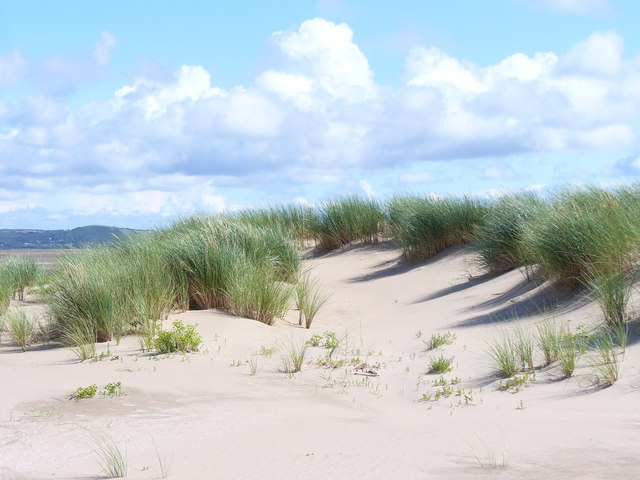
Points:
(75, 238)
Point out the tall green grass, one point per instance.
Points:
(346, 220)
(299, 222)
(199, 262)
(20, 273)
(498, 238)
(586, 233)
(423, 226)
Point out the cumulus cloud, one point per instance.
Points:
(315, 117)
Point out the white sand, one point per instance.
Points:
(211, 419)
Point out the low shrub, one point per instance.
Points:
(440, 364)
(180, 338)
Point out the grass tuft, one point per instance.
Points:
(440, 364)
(20, 328)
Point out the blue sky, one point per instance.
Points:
(134, 113)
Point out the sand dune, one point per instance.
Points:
(209, 418)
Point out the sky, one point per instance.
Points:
(134, 113)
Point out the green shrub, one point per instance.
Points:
(85, 392)
(180, 338)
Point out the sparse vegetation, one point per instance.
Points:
(503, 352)
(550, 335)
(293, 356)
(438, 340)
(84, 392)
(309, 299)
(181, 338)
(440, 364)
(111, 457)
(604, 360)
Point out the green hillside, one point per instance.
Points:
(75, 238)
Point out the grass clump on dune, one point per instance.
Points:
(585, 234)
(18, 274)
(299, 222)
(21, 329)
(200, 262)
(309, 299)
(344, 221)
(422, 226)
(498, 238)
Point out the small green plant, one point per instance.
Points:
(604, 362)
(111, 458)
(309, 300)
(84, 392)
(267, 352)
(524, 347)
(440, 382)
(440, 364)
(439, 339)
(294, 356)
(572, 346)
(20, 328)
(620, 332)
(550, 334)
(504, 355)
(254, 365)
(81, 339)
(444, 391)
(315, 340)
(164, 462)
(112, 389)
(612, 291)
(517, 383)
(328, 340)
(181, 339)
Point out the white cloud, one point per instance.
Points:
(325, 51)
(104, 48)
(366, 188)
(600, 54)
(313, 118)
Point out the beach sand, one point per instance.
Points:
(206, 416)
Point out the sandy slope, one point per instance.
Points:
(210, 419)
